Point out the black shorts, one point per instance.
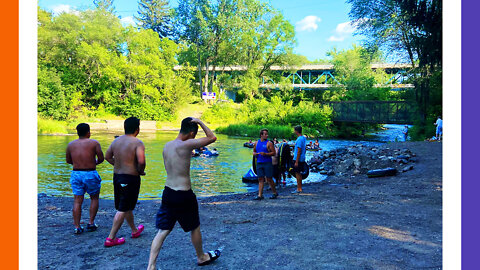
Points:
(300, 168)
(178, 205)
(125, 189)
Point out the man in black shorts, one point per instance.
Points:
(127, 155)
(179, 203)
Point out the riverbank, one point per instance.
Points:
(341, 223)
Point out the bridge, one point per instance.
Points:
(314, 76)
(373, 111)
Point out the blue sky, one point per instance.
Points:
(320, 25)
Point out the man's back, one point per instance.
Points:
(82, 153)
(124, 149)
(176, 157)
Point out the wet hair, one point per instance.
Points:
(298, 129)
(188, 126)
(83, 129)
(262, 131)
(131, 125)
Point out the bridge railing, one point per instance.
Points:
(380, 112)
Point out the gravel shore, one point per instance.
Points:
(344, 222)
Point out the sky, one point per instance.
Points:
(320, 25)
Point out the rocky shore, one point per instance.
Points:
(348, 221)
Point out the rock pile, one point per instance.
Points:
(358, 159)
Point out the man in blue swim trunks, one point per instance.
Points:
(127, 155)
(179, 203)
(84, 154)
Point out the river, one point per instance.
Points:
(210, 176)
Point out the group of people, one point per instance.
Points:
(127, 155)
(268, 159)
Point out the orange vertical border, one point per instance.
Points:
(9, 83)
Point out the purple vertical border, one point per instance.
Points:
(470, 135)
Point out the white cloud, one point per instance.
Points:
(128, 21)
(309, 23)
(335, 38)
(342, 31)
(56, 10)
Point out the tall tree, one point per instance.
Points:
(155, 15)
(105, 4)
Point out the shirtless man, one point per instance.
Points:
(127, 155)
(179, 203)
(85, 154)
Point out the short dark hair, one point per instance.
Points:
(131, 125)
(261, 131)
(298, 129)
(188, 126)
(83, 129)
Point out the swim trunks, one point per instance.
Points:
(300, 168)
(265, 169)
(85, 181)
(125, 190)
(178, 205)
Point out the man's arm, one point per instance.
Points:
(99, 153)
(197, 143)
(299, 153)
(109, 155)
(255, 149)
(271, 149)
(69, 156)
(140, 155)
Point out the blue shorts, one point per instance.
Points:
(439, 130)
(85, 181)
(265, 169)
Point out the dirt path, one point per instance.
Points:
(356, 223)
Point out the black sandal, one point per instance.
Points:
(213, 256)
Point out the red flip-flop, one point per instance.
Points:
(114, 242)
(139, 231)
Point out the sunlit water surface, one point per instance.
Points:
(210, 176)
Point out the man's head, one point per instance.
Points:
(83, 130)
(132, 125)
(439, 117)
(298, 130)
(264, 134)
(189, 128)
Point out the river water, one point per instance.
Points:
(210, 176)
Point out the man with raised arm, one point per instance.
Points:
(127, 155)
(179, 203)
(84, 154)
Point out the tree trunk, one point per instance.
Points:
(206, 76)
(199, 67)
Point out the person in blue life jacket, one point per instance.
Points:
(264, 150)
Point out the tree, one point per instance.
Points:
(406, 26)
(155, 15)
(105, 5)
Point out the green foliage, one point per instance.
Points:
(49, 126)
(246, 130)
(315, 117)
(89, 64)
(353, 71)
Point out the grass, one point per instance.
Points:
(193, 110)
(49, 126)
